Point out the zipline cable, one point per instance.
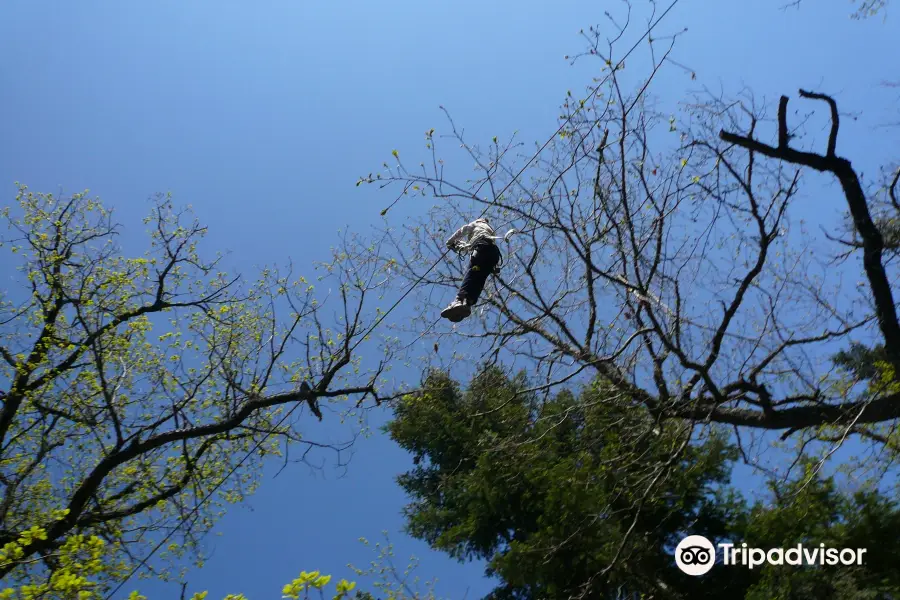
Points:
(530, 160)
(256, 447)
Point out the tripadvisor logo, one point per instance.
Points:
(696, 555)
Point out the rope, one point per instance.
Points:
(534, 156)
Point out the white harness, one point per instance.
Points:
(471, 234)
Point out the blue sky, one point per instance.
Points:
(263, 114)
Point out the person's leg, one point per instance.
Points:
(472, 284)
(484, 260)
(459, 309)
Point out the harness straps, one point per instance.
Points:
(464, 247)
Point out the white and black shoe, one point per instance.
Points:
(457, 311)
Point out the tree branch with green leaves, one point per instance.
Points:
(135, 388)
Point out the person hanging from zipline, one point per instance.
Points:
(478, 238)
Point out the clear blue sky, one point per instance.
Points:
(263, 114)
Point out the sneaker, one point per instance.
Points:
(457, 311)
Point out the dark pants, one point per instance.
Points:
(485, 258)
